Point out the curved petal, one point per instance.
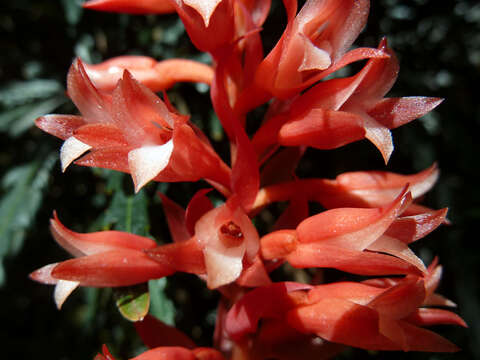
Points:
(147, 162)
(97, 242)
(111, 268)
(72, 149)
(61, 126)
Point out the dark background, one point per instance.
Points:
(438, 44)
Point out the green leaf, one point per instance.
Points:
(133, 302)
(24, 187)
(161, 306)
(73, 11)
(22, 92)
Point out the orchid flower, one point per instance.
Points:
(348, 239)
(314, 45)
(102, 259)
(224, 240)
(340, 111)
(133, 131)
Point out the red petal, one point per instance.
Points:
(198, 206)
(111, 268)
(115, 158)
(400, 300)
(430, 317)
(254, 275)
(100, 135)
(175, 219)
(411, 228)
(263, 302)
(61, 126)
(355, 262)
(340, 321)
(353, 228)
(97, 242)
(44, 274)
(91, 103)
(322, 129)
(185, 256)
(418, 339)
(395, 112)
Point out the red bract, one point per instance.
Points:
(132, 130)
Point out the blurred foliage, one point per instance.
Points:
(438, 44)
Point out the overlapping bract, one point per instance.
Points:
(371, 217)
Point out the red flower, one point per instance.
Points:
(349, 239)
(387, 317)
(340, 111)
(314, 45)
(132, 130)
(224, 242)
(103, 259)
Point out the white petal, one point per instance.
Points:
(314, 58)
(63, 289)
(204, 7)
(148, 161)
(223, 267)
(380, 136)
(71, 149)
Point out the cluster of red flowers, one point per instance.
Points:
(371, 216)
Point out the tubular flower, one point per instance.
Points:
(132, 130)
(156, 75)
(349, 239)
(314, 45)
(103, 259)
(355, 314)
